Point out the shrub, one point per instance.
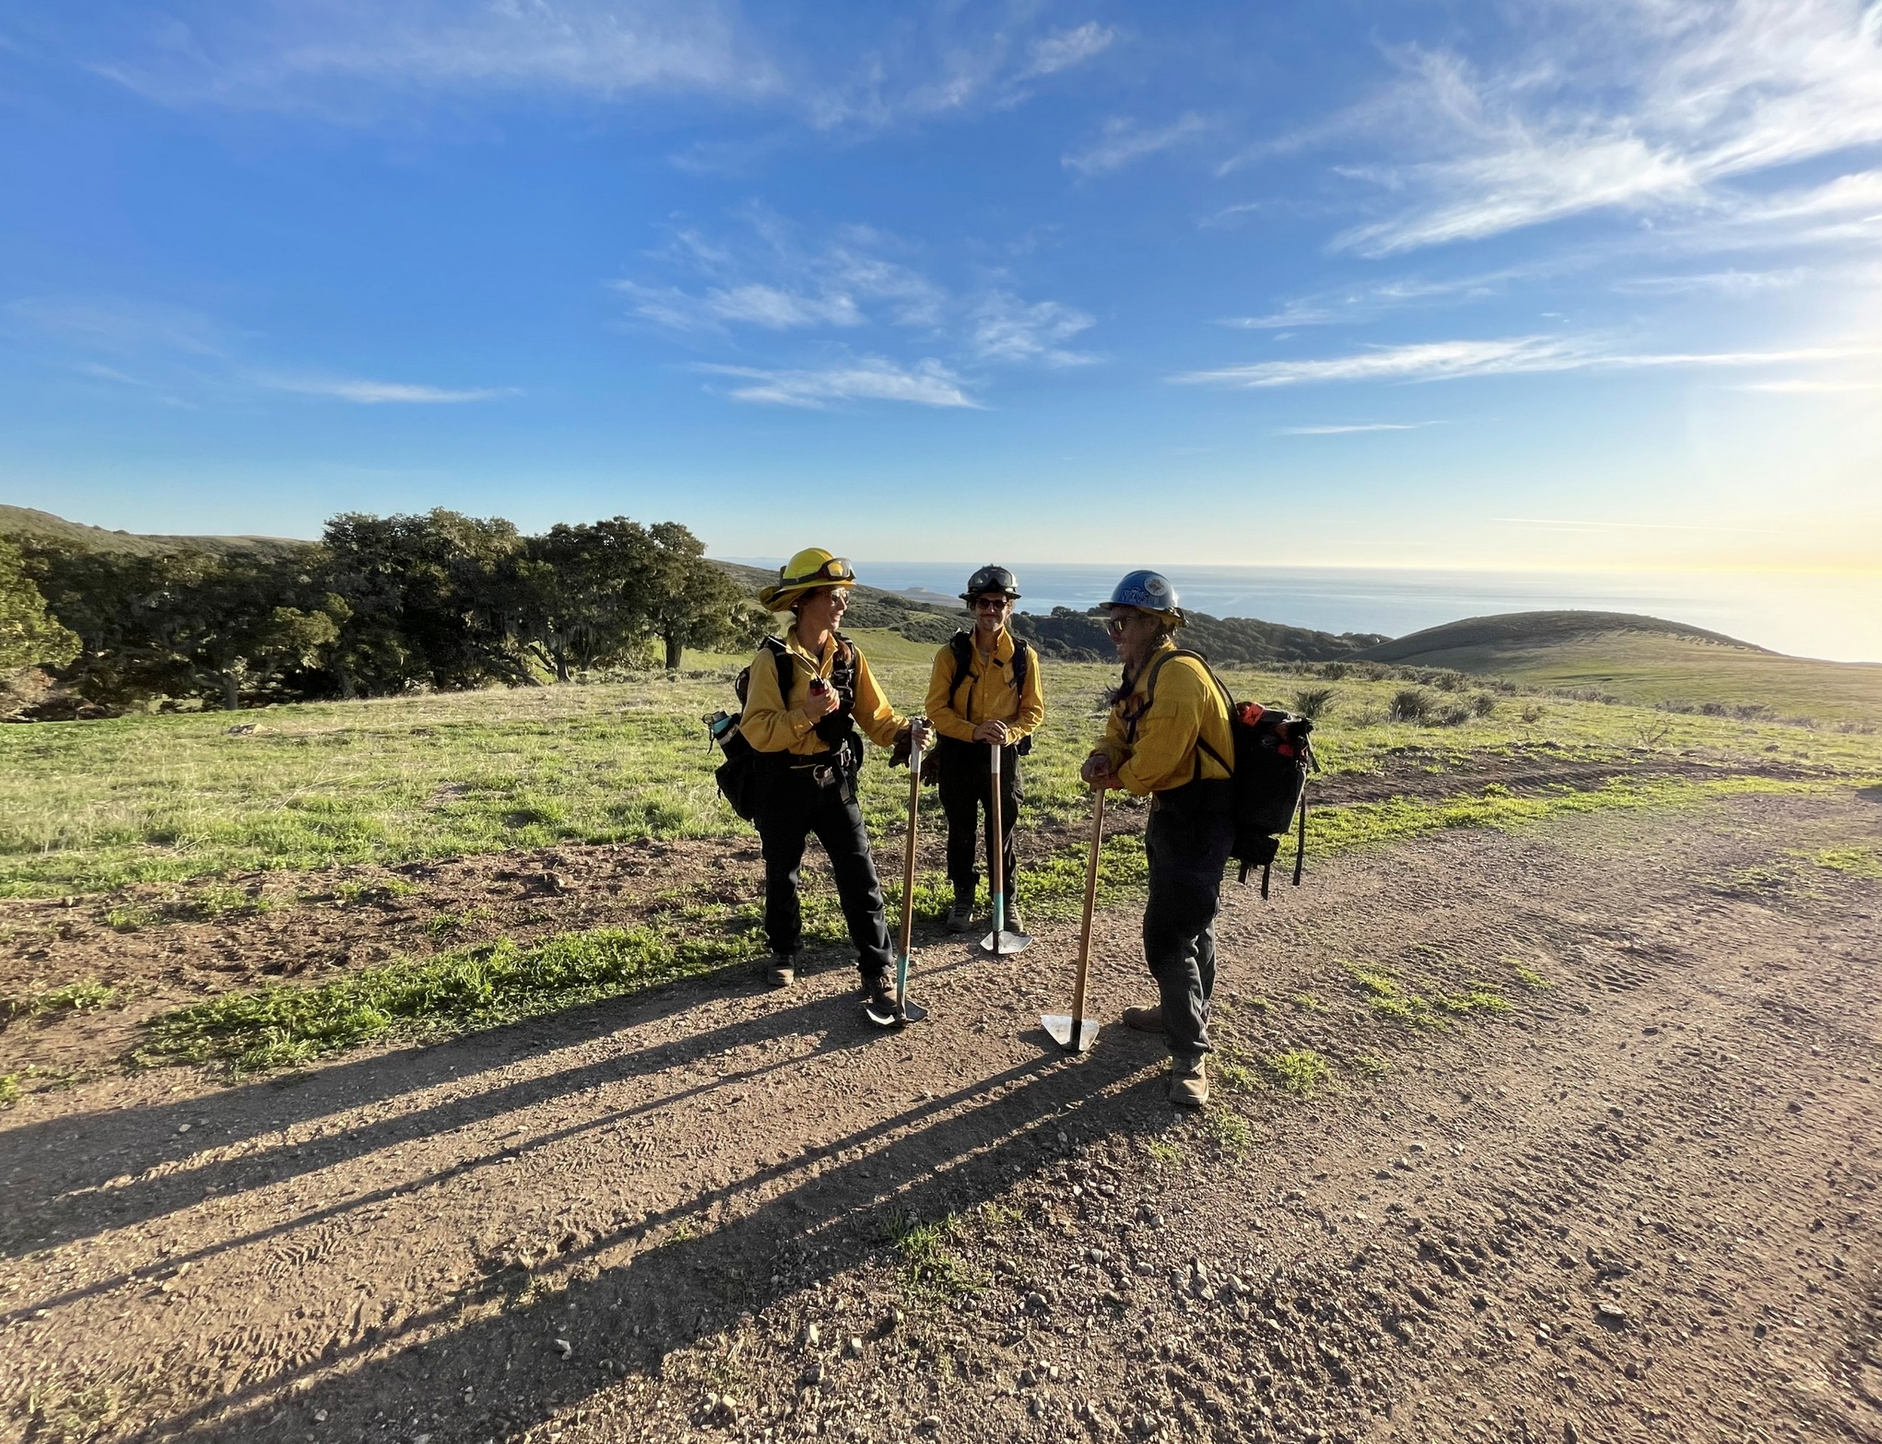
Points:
(1411, 704)
(1314, 702)
(1483, 704)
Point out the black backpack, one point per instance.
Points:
(1268, 774)
(740, 776)
(961, 644)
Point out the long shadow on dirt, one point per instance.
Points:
(683, 1288)
(57, 1172)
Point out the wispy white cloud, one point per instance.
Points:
(1005, 328)
(1721, 283)
(1659, 107)
(1368, 301)
(1066, 48)
(1426, 361)
(1814, 385)
(344, 60)
(770, 307)
(767, 276)
(871, 378)
(308, 56)
(123, 326)
(1347, 430)
(185, 352)
(1124, 141)
(1454, 360)
(381, 393)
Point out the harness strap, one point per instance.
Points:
(961, 644)
(1300, 846)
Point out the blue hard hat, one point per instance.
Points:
(1149, 592)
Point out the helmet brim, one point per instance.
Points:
(780, 596)
(1173, 617)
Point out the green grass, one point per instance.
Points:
(1528, 976)
(1663, 669)
(1391, 999)
(497, 982)
(84, 996)
(211, 903)
(930, 1266)
(1300, 1071)
(92, 806)
(1230, 1131)
(1860, 860)
(1477, 998)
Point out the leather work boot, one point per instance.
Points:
(961, 916)
(1013, 924)
(1189, 1083)
(879, 995)
(1145, 1020)
(781, 969)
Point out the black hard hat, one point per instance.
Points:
(991, 579)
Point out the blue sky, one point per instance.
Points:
(1573, 285)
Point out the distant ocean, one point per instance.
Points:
(1833, 615)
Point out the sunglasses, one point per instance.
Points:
(1118, 626)
(991, 604)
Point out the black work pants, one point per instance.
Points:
(966, 791)
(1188, 840)
(795, 807)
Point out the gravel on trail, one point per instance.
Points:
(1636, 1202)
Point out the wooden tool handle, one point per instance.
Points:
(1091, 897)
(908, 856)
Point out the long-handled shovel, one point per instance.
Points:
(1001, 941)
(905, 1011)
(1075, 1034)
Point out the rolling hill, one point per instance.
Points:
(23, 523)
(1643, 659)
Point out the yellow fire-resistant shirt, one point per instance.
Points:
(1187, 706)
(777, 724)
(986, 693)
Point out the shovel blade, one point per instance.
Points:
(1061, 1027)
(889, 1017)
(1005, 942)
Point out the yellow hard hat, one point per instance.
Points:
(811, 568)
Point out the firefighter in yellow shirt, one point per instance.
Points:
(984, 689)
(1168, 736)
(808, 733)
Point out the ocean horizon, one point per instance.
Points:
(1835, 616)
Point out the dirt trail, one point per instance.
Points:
(1639, 1205)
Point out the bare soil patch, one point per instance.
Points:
(1640, 1203)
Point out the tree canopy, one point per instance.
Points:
(381, 605)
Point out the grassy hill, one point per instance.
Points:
(1643, 659)
(23, 523)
